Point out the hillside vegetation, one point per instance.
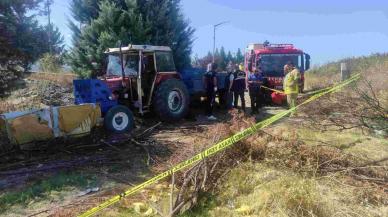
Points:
(374, 67)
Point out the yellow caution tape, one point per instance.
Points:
(317, 91)
(308, 93)
(214, 149)
(273, 90)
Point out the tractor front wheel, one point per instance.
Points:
(171, 100)
(119, 119)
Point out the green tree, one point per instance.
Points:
(230, 58)
(176, 31)
(112, 25)
(83, 12)
(223, 61)
(22, 39)
(55, 38)
(239, 56)
(20, 35)
(156, 22)
(204, 61)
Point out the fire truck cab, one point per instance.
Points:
(271, 58)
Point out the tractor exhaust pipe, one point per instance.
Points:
(123, 72)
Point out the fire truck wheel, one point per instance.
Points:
(171, 100)
(119, 119)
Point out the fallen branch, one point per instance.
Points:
(115, 148)
(144, 147)
(148, 130)
(38, 213)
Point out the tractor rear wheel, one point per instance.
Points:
(171, 100)
(119, 119)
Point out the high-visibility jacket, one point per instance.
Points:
(291, 82)
(241, 67)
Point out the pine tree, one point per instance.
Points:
(22, 39)
(230, 58)
(55, 38)
(83, 12)
(223, 61)
(156, 22)
(239, 56)
(203, 62)
(169, 27)
(112, 26)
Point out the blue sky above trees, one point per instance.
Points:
(328, 30)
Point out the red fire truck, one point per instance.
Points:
(272, 58)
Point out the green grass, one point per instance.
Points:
(206, 203)
(42, 189)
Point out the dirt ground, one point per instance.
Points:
(68, 176)
(112, 162)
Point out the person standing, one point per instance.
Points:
(239, 87)
(255, 81)
(288, 67)
(210, 83)
(291, 86)
(209, 67)
(229, 82)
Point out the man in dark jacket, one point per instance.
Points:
(229, 80)
(239, 87)
(255, 81)
(210, 83)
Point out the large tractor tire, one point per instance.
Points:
(171, 100)
(119, 119)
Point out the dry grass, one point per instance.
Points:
(20, 104)
(30, 96)
(367, 148)
(269, 192)
(262, 190)
(373, 68)
(58, 78)
(290, 175)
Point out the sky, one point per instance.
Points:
(327, 30)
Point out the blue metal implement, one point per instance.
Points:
(93, 91)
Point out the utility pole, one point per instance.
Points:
(48, 12)
(214, 37)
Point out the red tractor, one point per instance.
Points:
(138, 78)
(272, 58)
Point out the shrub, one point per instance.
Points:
(50, 63)
(7, 76)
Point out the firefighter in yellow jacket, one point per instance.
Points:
(291, 84)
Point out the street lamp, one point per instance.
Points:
(214, 37)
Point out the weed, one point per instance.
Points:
(208, 202)
(64, 79)
(273, 193)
